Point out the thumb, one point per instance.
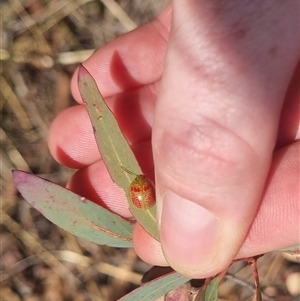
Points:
(224, 81)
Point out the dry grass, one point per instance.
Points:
(41, 44)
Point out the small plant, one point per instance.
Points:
(85, 219)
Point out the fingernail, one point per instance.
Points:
(190, 235)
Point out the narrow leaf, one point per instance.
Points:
(156, 288)
(113, 146)
(74, 213)
(209, 291)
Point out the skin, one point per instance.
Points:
(216, 84)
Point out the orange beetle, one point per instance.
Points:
(142, 191)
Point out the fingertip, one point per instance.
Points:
(74, 87)
(94, 183)
(71, 140)
(147, 248)
(191, 237)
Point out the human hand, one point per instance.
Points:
(221, 91)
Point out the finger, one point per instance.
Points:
(275, 225)
(148, 248)
(94, 183)
(71, 139)
(130, 61)
(214, 132)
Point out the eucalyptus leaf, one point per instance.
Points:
(74, 213)
(156, 288)
(114, 148)
(209, 291)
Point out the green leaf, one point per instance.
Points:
(209, 291)
(74, 213)
(156, 288)
(114, 148)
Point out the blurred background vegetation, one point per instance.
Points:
(41, 43)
